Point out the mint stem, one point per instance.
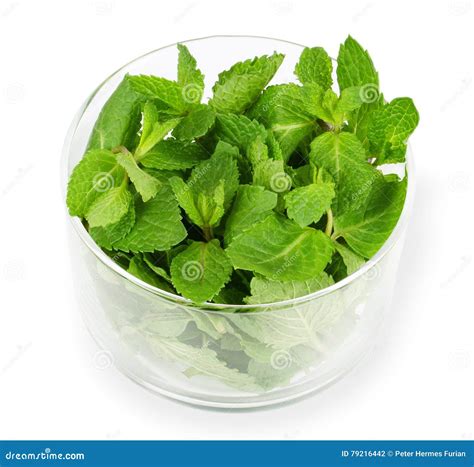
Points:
(208, 233)
(329, 224)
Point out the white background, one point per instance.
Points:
(419, 382)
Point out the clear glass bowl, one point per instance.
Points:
(223, 355)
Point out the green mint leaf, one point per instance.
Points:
(271, 174)
(354, 66)
(344, 157)
(251, 205)
(367, 228)
(274, 148)
(110, 207)
(153, 130)
(307, 204)
(144, 183)
(270, 291)
(107, 236)
(158, 224)
(119, 119)
(185, 197)
(211, 206)
(314, 66)
(257, 151)
(239, 87)
(96, 173)
(139, 268)
(238, 130)
(280, 249)
(150, 261)
(222, 165)
(189, 76)
(289, 328)
(351, 99)
(203, 361)
(165, 91)
(352, 260)
(281, 108)
(200, 271)
(196, 124)
(326, 106)
(203, 209)
(390, 128)
(172, 154)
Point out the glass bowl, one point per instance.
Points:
(223, 355)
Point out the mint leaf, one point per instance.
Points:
(153, 130)
(344, 157)
(189, 76)
(239, 87)
(150, 261)
(144, 183)
(238, 130)
(203, 209)
(271, 174)
(314, 66)
(281, 109)
(196, 124)
(172, 154)
(158, 224)
(307, 204)
(327, 106)
(210, 188)
(352, 260)
(96, 173)
(165, 91)
(280, 249)
(119, 119)
(107, 236)
(139, 268)
(203, 361)
(271, 291)
(109, 208)
(354, 66)
(185, 198)
(390, 128)
(366, 229)
(221, 165)
(251, 205)
(200, 271)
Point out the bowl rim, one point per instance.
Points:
(81, 231)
